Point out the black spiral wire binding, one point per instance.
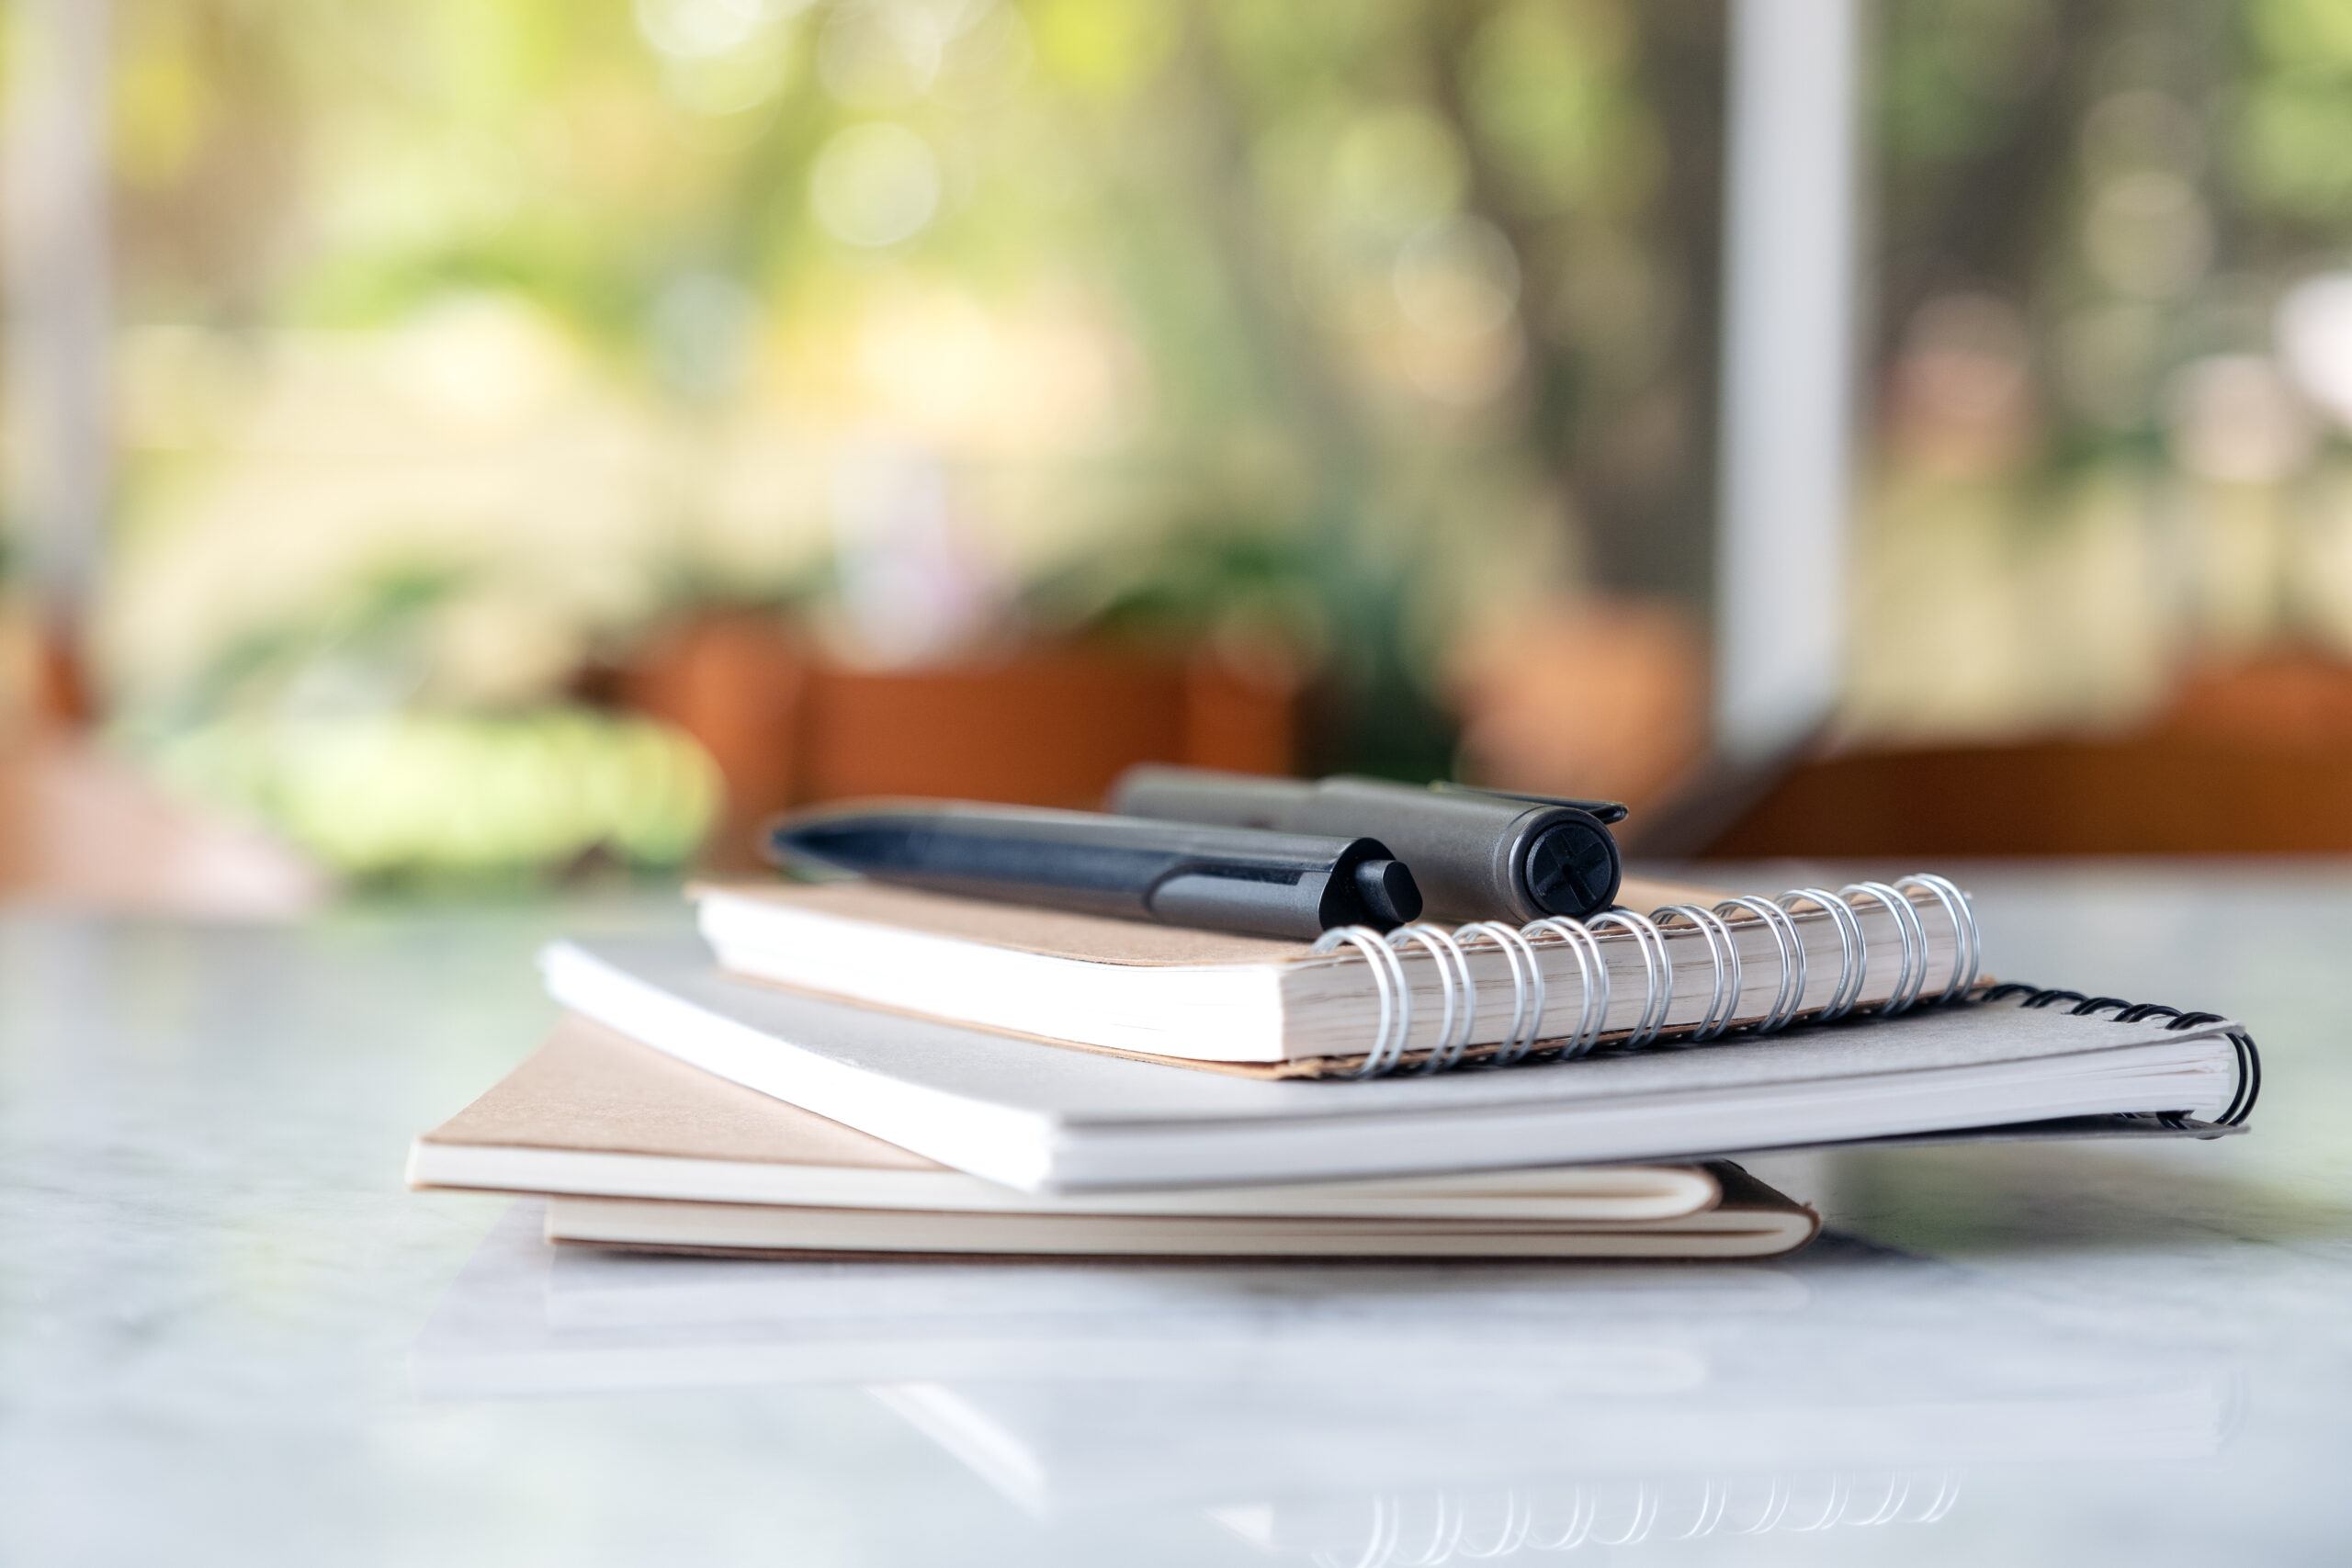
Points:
(2249, 1088)
(1458, 992)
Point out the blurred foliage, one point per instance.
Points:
(1193, 579)
(367, 655)
(2138, 180)
(2295, 118)
(469, 338)
(317, 730)
(428, 796)
(1382, 285)
(2113, 354)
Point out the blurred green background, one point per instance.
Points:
(466, 351)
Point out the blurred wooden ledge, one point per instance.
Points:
(1044, 724)
(2251, 760)
(82, 829)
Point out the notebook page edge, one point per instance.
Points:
(1674, 1193)
(1002, 1142)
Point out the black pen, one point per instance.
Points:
(1232, 879)
(1476, 854)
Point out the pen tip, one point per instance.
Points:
(1388, 891)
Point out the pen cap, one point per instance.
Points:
(1476, 856)
(1208, 795)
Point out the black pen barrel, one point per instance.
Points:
(1234, 879)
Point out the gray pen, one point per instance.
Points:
(1476, 854)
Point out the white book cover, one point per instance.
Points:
(1043, 1117)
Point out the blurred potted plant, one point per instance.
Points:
(1193, 650)
(326, 729)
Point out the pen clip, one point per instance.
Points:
(1607, 811)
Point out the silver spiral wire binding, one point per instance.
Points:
(1839, 1490)
(1445, 1534)
(1530, 998)
(1592, 970)
(1790, 997)
(1964, 931)
(1723, 951)
(1395, 996)
(1461, 997)
(1519, 1516)
(1776, 1503)
(1573, 1533)
(1892, 1504)
(1377, 1550)
(1912, 975)
(1947, 1493)
(1640, 1511)
(1906, 914)
(1526, 987)
(1657, 968)
(1711, 1512)
(1854, 950)
(1645, 1519)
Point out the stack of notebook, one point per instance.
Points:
(856, 1069)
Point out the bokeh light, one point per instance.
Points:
(875, 184)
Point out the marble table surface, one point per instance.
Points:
(227, 1335)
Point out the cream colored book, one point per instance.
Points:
(591, 1112)
(1749, 1220)
(1699, 963)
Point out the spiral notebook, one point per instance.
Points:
(1043, 1118)
(1360, 1003)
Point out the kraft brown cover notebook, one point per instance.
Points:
(593, 1111)
(644, 1151)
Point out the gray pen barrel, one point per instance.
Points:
(1473, 856)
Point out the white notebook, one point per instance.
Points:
(1048, 1120)
(1699, 964)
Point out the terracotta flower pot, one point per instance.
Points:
(1048, 724)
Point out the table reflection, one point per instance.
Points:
(1480, 1524)
(1363, 1416)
